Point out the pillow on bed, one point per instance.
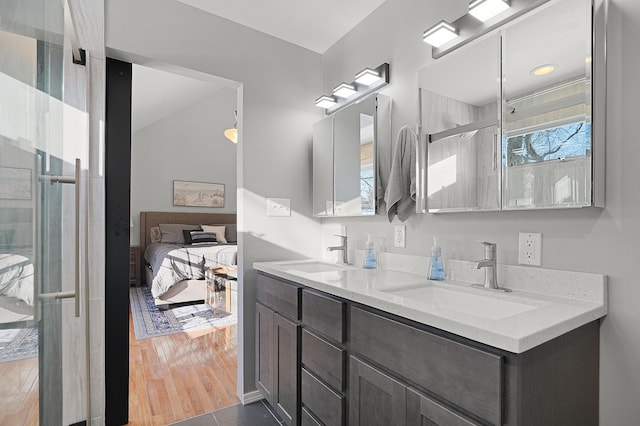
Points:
(172, 232)
(199, 237)
(230, 232)
(155, 234)
(218, 230)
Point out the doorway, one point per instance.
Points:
(180, 375)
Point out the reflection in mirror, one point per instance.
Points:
(323, 167)
(546, 142)
(351, 151)
(459, 116)
(367, 163)
(354, 159)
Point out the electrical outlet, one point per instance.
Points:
(399, 236)
(530, 248)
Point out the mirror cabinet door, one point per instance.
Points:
(459, 101)
(354, 159)
(546, 140)
(323, 167)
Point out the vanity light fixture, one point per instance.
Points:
(483, 17)
(543, 69)
(366, 81)
(441, 33)
(367, 77)
(344, 90)
(325, 101)
(487, 9)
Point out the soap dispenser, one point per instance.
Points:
(369, 254)
(436, 267)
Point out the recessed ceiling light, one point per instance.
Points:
(439, 34)
(325, 101)
(344, 90)
(367, 77)
(487, 9)
(543, 69)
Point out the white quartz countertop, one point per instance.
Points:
(542, 305)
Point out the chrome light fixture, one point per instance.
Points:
(232, 133)
(483, 17)
(366, 81)
(325, 101)
(367, 77)
(344, 90)
(441, 33)
(487, 9)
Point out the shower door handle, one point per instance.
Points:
(69, 294)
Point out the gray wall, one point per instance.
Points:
(276, 111)
(590, 240)
(187, 145)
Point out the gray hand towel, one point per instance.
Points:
(400, 196)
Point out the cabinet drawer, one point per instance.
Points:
(423, 410)
(308, 419)
(323, 359)
(325, 404)
(466, 376)
(280, 296)
(324, 314)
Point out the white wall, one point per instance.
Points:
(276, 112)
(188, 145)
(590, 240)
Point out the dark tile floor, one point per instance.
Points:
(255, 414)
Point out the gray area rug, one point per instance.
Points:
(18, 343)
(150, 321)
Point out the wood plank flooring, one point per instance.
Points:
(171, 378)
(19, 392)
(180, 376)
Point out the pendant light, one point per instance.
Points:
(232, 133)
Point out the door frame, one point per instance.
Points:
(117, 230)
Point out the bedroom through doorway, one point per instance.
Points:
(183, 309)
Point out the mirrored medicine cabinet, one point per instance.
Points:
(515, 118)
(346, 151)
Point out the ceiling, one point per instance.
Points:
(315, 25)
(158, 94)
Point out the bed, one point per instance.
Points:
(175, 268)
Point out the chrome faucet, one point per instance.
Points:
(490, 264)
(343, 247)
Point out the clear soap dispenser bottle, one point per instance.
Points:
(369, 254)
(436, 267)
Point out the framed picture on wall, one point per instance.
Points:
(15, 183)
(198, 194)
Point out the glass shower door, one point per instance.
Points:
(40, 218)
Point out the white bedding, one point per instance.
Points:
(172, 263)
(16, 277)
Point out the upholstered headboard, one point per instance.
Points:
(151, 219)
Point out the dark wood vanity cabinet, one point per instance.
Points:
(323, 358)
(278, 346)
(330, 361)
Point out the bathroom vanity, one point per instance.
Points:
(379, 347)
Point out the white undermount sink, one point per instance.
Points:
(314, 266)
(478, 305)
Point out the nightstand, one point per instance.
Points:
(134, 265)
(222, 290)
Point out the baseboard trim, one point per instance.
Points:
(250, 397)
